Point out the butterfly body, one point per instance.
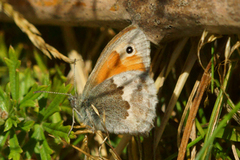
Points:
(119, 96)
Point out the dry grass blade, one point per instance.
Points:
(77, 69)
(99, 138)
(82, 132)
(235, 152)
(33, 34)
(234, 47)
(192, 57)
(85, 153)
(121, 145)
(228, 52)
(114, 156)
(192, 114)
(227, 56)
(161, 78)
(200, 45)
(133, 150)
(236, 116)
(202, 42)
(188, 105)
(193, 136)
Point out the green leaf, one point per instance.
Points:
(3, 48)
(38, 133)
(26, 126)
(66, 109)
(57, 130)
(13, 57)
(3, 95)
(53, 106)
(8, 100)
(219, 152)
(3, 111)
(26, 81)
(60, 73)
(228, 133)
(31, 96)
(28, 103)
(45, 151)
(40, 61)
(42, 145)
(8, 124)
(13, 65)
(3, 138)
(3, 107)
(14, 146)
(18, 49)
(37, 147)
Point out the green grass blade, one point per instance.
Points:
(221, 125)
(216, 113)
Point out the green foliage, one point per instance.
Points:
(27, 118)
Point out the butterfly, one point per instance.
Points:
(119, 96)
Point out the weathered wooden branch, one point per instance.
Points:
(161, 20)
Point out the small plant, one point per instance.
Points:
(30, 126)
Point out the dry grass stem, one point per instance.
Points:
(99, 138)
(85, 153)
(83, 132)
(235, 152)
(204, 40)
(33, 34)
(80, 77)
(192, 114)
(227, 56)
(236, 116)
(188, 105)
(192, 57)
(161, 78)
(193, 136)
(133, 150)
(114, 155)
(121, 145)
(77, 70)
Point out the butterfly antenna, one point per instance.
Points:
(67, 94)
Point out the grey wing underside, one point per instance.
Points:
(125, 103)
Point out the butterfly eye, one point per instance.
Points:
(129, 49)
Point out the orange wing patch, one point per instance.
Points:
(114, 65)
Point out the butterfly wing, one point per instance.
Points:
(124, 103)
(114, 59)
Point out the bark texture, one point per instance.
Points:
(162, 20)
